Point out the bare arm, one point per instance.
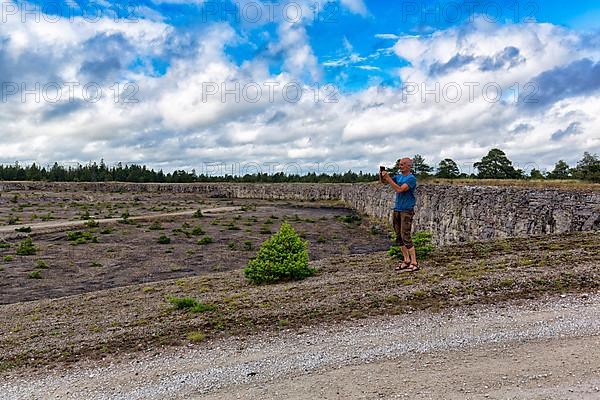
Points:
(399, 189)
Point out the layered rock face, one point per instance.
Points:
(454, 213)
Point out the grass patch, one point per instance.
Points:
(190, 304)
(205, 240)
(81, 237)
(26, 248)
(37, 274)
(196, 337)
(162, 239)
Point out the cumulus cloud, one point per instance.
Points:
(182, 118)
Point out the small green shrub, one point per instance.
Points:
(26, 229)
(232, 227)
(247, 245)
(348, 219)
(421, 241)
(284, 256)
(231, 245)
(81, 237)
(191, 304)
(41, 264)
(37, 274)
(164, 239)
(196, 337)
(92, 223)
(8, 258)
(4, 245)
(26, 248)
(197, 214)
(106, 231)
(206, 240)
(155, 226)
(197, 231)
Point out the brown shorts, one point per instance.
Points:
(402, 221)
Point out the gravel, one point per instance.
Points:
(217, 365)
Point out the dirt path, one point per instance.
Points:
(57, 226)
(542, 349)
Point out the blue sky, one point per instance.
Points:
(175, 58)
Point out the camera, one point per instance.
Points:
(381, 169)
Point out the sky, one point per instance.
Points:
(298, 86)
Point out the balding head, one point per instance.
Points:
(404, 164)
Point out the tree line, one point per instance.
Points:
(495, 165)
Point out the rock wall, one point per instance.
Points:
(454, 213)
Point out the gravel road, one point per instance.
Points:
(534, 349)
(8, 232)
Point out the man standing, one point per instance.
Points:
(404, 183)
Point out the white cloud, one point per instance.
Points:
(356, 6)
(174, 126)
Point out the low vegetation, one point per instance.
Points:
(282, 257)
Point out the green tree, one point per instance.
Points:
(560, 171)
(419, 167)
(495, 165)
(282, 257)
(588, 168)
(448, 169)
(536, 174)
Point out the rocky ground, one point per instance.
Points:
(547, 348)
(66, 330)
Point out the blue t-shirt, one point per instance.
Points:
(405, 201)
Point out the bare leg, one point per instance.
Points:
(406, 254)
(413, 255)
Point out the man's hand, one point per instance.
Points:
(386, 177)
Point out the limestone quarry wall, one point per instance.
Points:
(454, 213)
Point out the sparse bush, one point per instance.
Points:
(41, 264)
(191, 304)
(196, 337)
(164, 239)
(197, 214)
(26, 248)
(26, 229)
(232, 227)
(350, 218)
(206, 240)
(92, 223)
(81, 237)
(284, 256)
(37, 274)
(421, 241)
(8, 258)
(231, 245)
(247, 245)
(155, 226)
(197, 231)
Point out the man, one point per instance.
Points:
(404, 183)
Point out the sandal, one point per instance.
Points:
(413, 268)
(403, 266)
